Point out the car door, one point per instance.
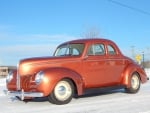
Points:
(94, 65)
(114, 65)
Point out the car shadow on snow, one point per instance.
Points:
(37, 99)
(88, 93)
(101, 91)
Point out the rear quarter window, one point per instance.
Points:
(96, 49)
(111, 50)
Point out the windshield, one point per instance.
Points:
(69, 49)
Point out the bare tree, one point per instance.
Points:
(91, 32)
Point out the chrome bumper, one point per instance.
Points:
(23, 94)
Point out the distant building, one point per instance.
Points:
(5, 69)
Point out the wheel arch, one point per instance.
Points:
(53, 75)
(74, 84)
(128, 72)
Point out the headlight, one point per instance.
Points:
(9, 76)
(38, 77)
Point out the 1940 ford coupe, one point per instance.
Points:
(75, 66)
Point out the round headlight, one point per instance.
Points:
(9, 76)
(38, 77)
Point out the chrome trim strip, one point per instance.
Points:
(18, 79)
(23, 94)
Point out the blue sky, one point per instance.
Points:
(31, 28)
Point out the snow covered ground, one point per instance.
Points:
(116, 101)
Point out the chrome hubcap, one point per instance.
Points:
(63, 90)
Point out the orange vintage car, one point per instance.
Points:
(75, 66)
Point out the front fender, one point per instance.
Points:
(129, 70)
(11, 86)
(53, 75)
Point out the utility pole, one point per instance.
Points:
(143, 59)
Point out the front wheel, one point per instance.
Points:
(62, 93)
(134, 84)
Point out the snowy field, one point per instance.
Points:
(116, 101)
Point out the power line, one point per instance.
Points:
(129, 7)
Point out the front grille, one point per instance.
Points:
(25, 82)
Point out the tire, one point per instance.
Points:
(135, 84)
(62, 93)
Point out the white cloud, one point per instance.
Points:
(32, 44)
(14, 47)
(12, 54)
(34, 39)
(26, 49)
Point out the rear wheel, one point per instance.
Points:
(62, 93)
(134, 84)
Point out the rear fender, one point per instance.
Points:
(53, 75)
(127, 75)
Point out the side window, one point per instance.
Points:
(62, 51)
(75, 51)
(111, 50)
(96, 49)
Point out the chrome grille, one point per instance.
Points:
(25, 82)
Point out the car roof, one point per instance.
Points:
(88, 40)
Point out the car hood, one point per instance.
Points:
(39, 60)
(33, 65)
